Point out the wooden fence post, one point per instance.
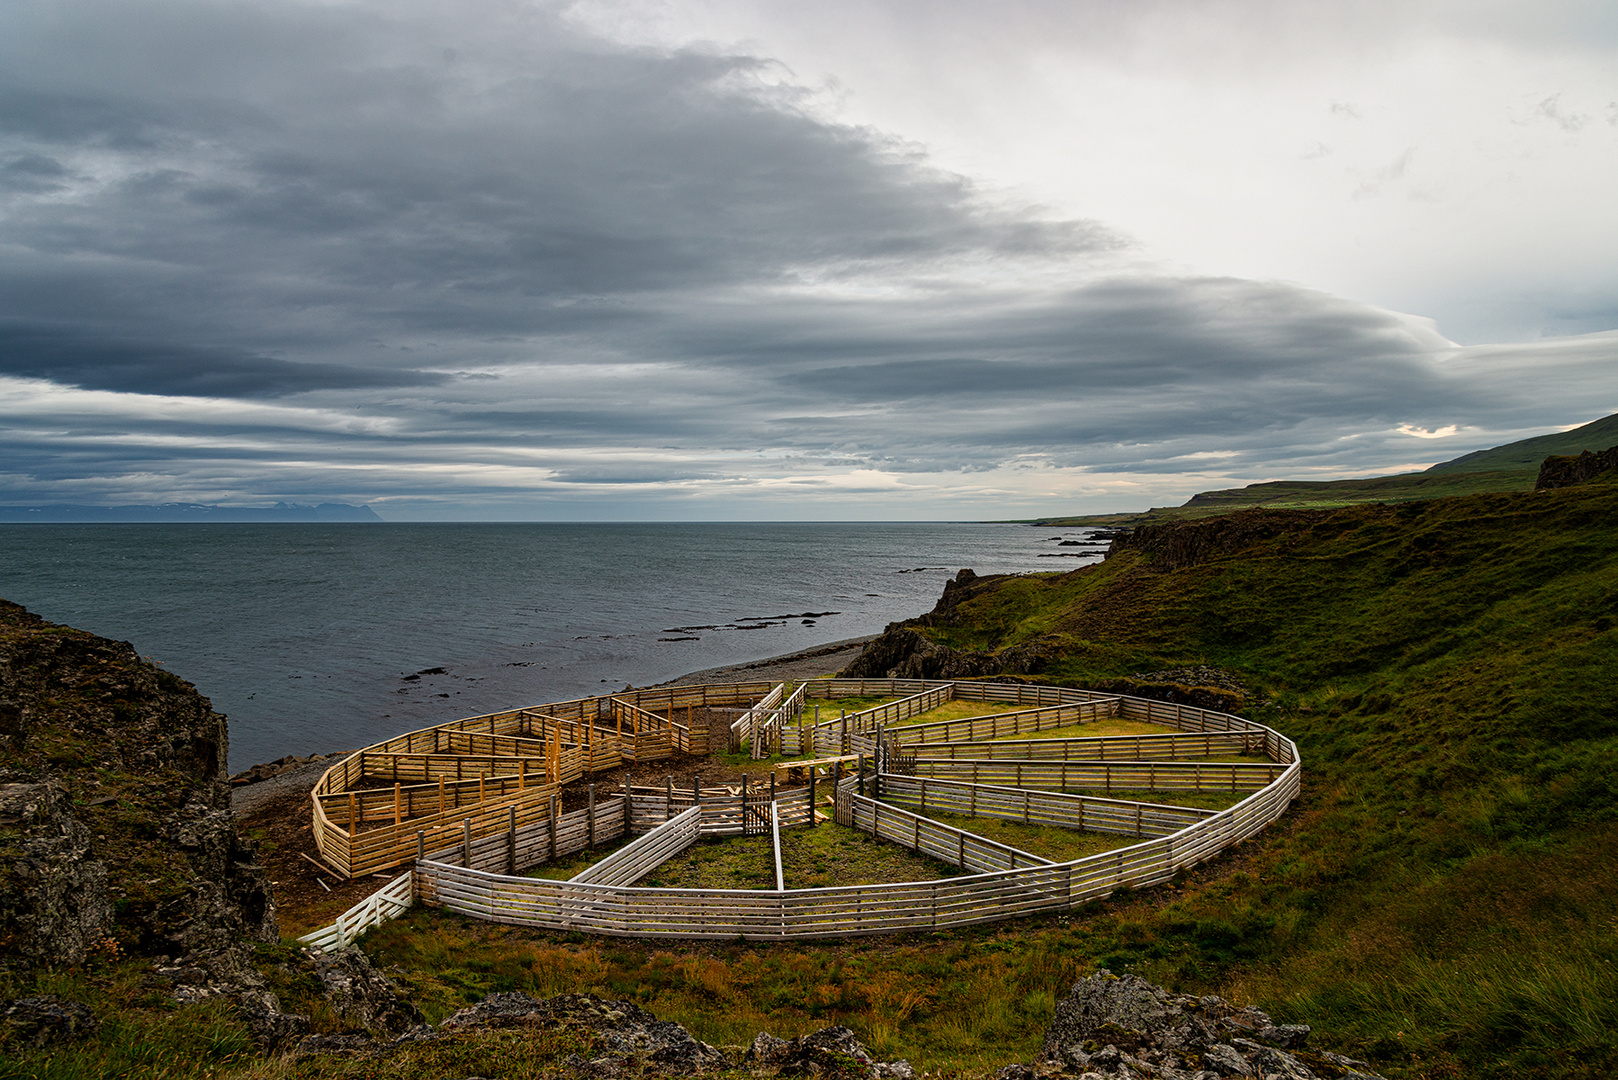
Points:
(511, 839)
(590, 815)
(421, 845)
(553, 828)
(812, 821)
(466, 843)
(668, 797)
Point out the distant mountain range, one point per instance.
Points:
(1512, 467)
(62, 513)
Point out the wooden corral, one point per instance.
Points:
(472, 857)
(378, 807)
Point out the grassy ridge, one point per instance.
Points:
(1450, 671)
(1512, 467)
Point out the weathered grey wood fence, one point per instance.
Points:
(1025, 884)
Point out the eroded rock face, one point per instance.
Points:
(829, 1052)
(1570, 471)
(57, 907)
(114, 814)
(1125, 1028)
(361, 996)
(116, 835)
(622, 1034)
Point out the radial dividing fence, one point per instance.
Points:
(1001, 882)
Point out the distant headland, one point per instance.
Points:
(64, 513)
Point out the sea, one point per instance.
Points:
(316, 638)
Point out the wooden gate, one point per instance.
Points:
(896, 761)
(755, 813)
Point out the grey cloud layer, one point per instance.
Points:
(422, 249)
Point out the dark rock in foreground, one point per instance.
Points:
(1125, 1028)
(1570, 471)
(624, 1040)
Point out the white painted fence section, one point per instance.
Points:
(388, 902)
(635, 860)
(745, 722)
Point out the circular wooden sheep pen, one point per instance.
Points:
(472, 828)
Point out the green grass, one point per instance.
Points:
(1057, 845)
(1449, 669)
(142, 1034)
(958, 1004)
(960, 710)
(1097, 729)
(827, 855)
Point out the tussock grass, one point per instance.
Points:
(142, 1035)
(1441, 895)
(1057, 845)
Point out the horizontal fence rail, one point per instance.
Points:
(1193, 776)
(1102, 747)
(388, 902)
(635, 860)
(999, 725)
(1117, 816)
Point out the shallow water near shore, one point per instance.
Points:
(314, 638)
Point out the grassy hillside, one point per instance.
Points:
(1449, 669)
(1526, 454)
(1512, 467)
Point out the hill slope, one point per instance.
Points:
(1449, 669)
(1526, 454)
(1511, 467)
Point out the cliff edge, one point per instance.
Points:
(116, 835)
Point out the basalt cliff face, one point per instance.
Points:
(1571, 471)
(116, 835)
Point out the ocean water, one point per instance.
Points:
(306, 635)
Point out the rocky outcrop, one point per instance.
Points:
(624, 1041)
(1125, 1028)
(115, 817)
(1569, 471)
(904, 653)
(40, 1021)
(829, 1052)
(1175, 545)
(362, 997)
(623, 1037)
(56, 906)
(116, 836)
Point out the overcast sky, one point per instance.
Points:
(757, 259)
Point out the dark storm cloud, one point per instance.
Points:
(76, 359)
(399, 248)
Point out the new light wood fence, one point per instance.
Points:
(368, 807)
